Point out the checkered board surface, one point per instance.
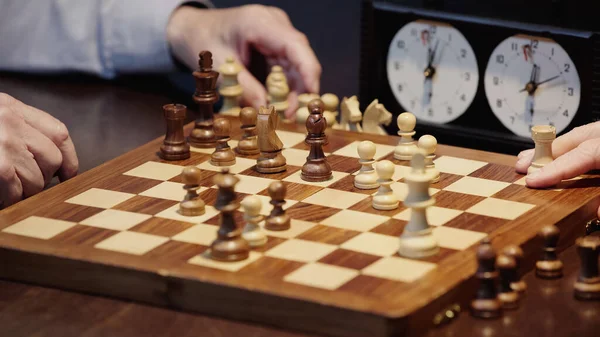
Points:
(338, 245)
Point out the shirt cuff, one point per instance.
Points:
(134, 35)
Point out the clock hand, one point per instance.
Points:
(548, 80)
(531, 85)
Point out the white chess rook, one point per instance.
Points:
(543, 136)
(385, 199)
(406, 146)
(366, 178)
(252, 232)
(417, 240)
(428, 144)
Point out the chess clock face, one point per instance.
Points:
(432, 71)
(532, 80)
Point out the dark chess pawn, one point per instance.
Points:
(205, 96)
(191, 205)
(507, 268)
(587, 286)
(549, 266)
(174, 147)
(223, 155)
(229, 246)
(516, 253)
(277, 220)
(248, 145)
(316, 167)
(486, 303)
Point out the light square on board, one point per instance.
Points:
(241, 164)
(173, 214)
(267, 207)
(155, 170)
(295, 157)
(301, 250)
(499, 208)
(351, 150)
(95, 197)
(321, 275)
(456, 238)
(201, 234)
(400, 171)
(359, 221)
(459, 166)
(335, 198)
(399, 269)
(252, 185)
(289, 139)
(296, 178)
(477, 186)
(232, 144)
(132, 243)
(436, 216)
(115, 219)
(205, 260)
(168, 190)
(401, 190)
(38, 227)
(373, 243)
(297, 227)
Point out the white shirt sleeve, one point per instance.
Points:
(101, 37)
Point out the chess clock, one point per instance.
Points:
(475, 80)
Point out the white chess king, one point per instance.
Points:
(417, 240)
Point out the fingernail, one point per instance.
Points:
(533, 175)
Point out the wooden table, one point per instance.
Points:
(94, 110)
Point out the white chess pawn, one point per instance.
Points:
(366, 178)
(406, 146)
(543, 136)
(252, 232)
(417, 239)
(230, 89)
(302, 112)
(428, 144)
(385, 199)
(331, 103)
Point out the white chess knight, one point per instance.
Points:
(385, 199)
(366, 178)
(417, 239)
(428, 145)
(406, 146)
(252, 232)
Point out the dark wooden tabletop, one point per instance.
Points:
(105, 120)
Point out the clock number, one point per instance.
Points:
(570, 91)
(432, 30)
(467, 76)
(499, 103)
(566, 113)
(397, 65)
(534, 44)
(514, 46)
(500, 58)
(430, 112)
(400, 87)
(567, 67)
(463, 97)
(401, 44)
(512, 119)
(496, 80)
(552, 52)
(449, 110)
(463, 53)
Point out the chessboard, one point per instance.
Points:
(115, 231)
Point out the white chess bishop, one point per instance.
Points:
(428, 144)
(252, 232)
(406, 146)
(417, 240)
(385, 199)
(366, 178)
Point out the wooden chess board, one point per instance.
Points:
(115, 231)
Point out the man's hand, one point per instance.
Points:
(34, 147)
(231, 32)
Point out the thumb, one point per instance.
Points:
(580, 160)
(254, 93)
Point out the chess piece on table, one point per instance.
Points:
(174, 147)
(205, 96)
(516, 253)
(549, 266)
(351, 116)
(316, 167)
(277, 220)
(366, 178)
(278, 91)
(587, 286)
(248, 145)
(407, 146)
(229, 245)
(376, 115)
(385, 199)
(486, 303)
(330, 111)
(428, 144)
(230, 89)
(543, 136)
(417, 240)
(270, 160)
(192, 204)
(252, 231)
(302, 112)
(223, 155)
(507, 269)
